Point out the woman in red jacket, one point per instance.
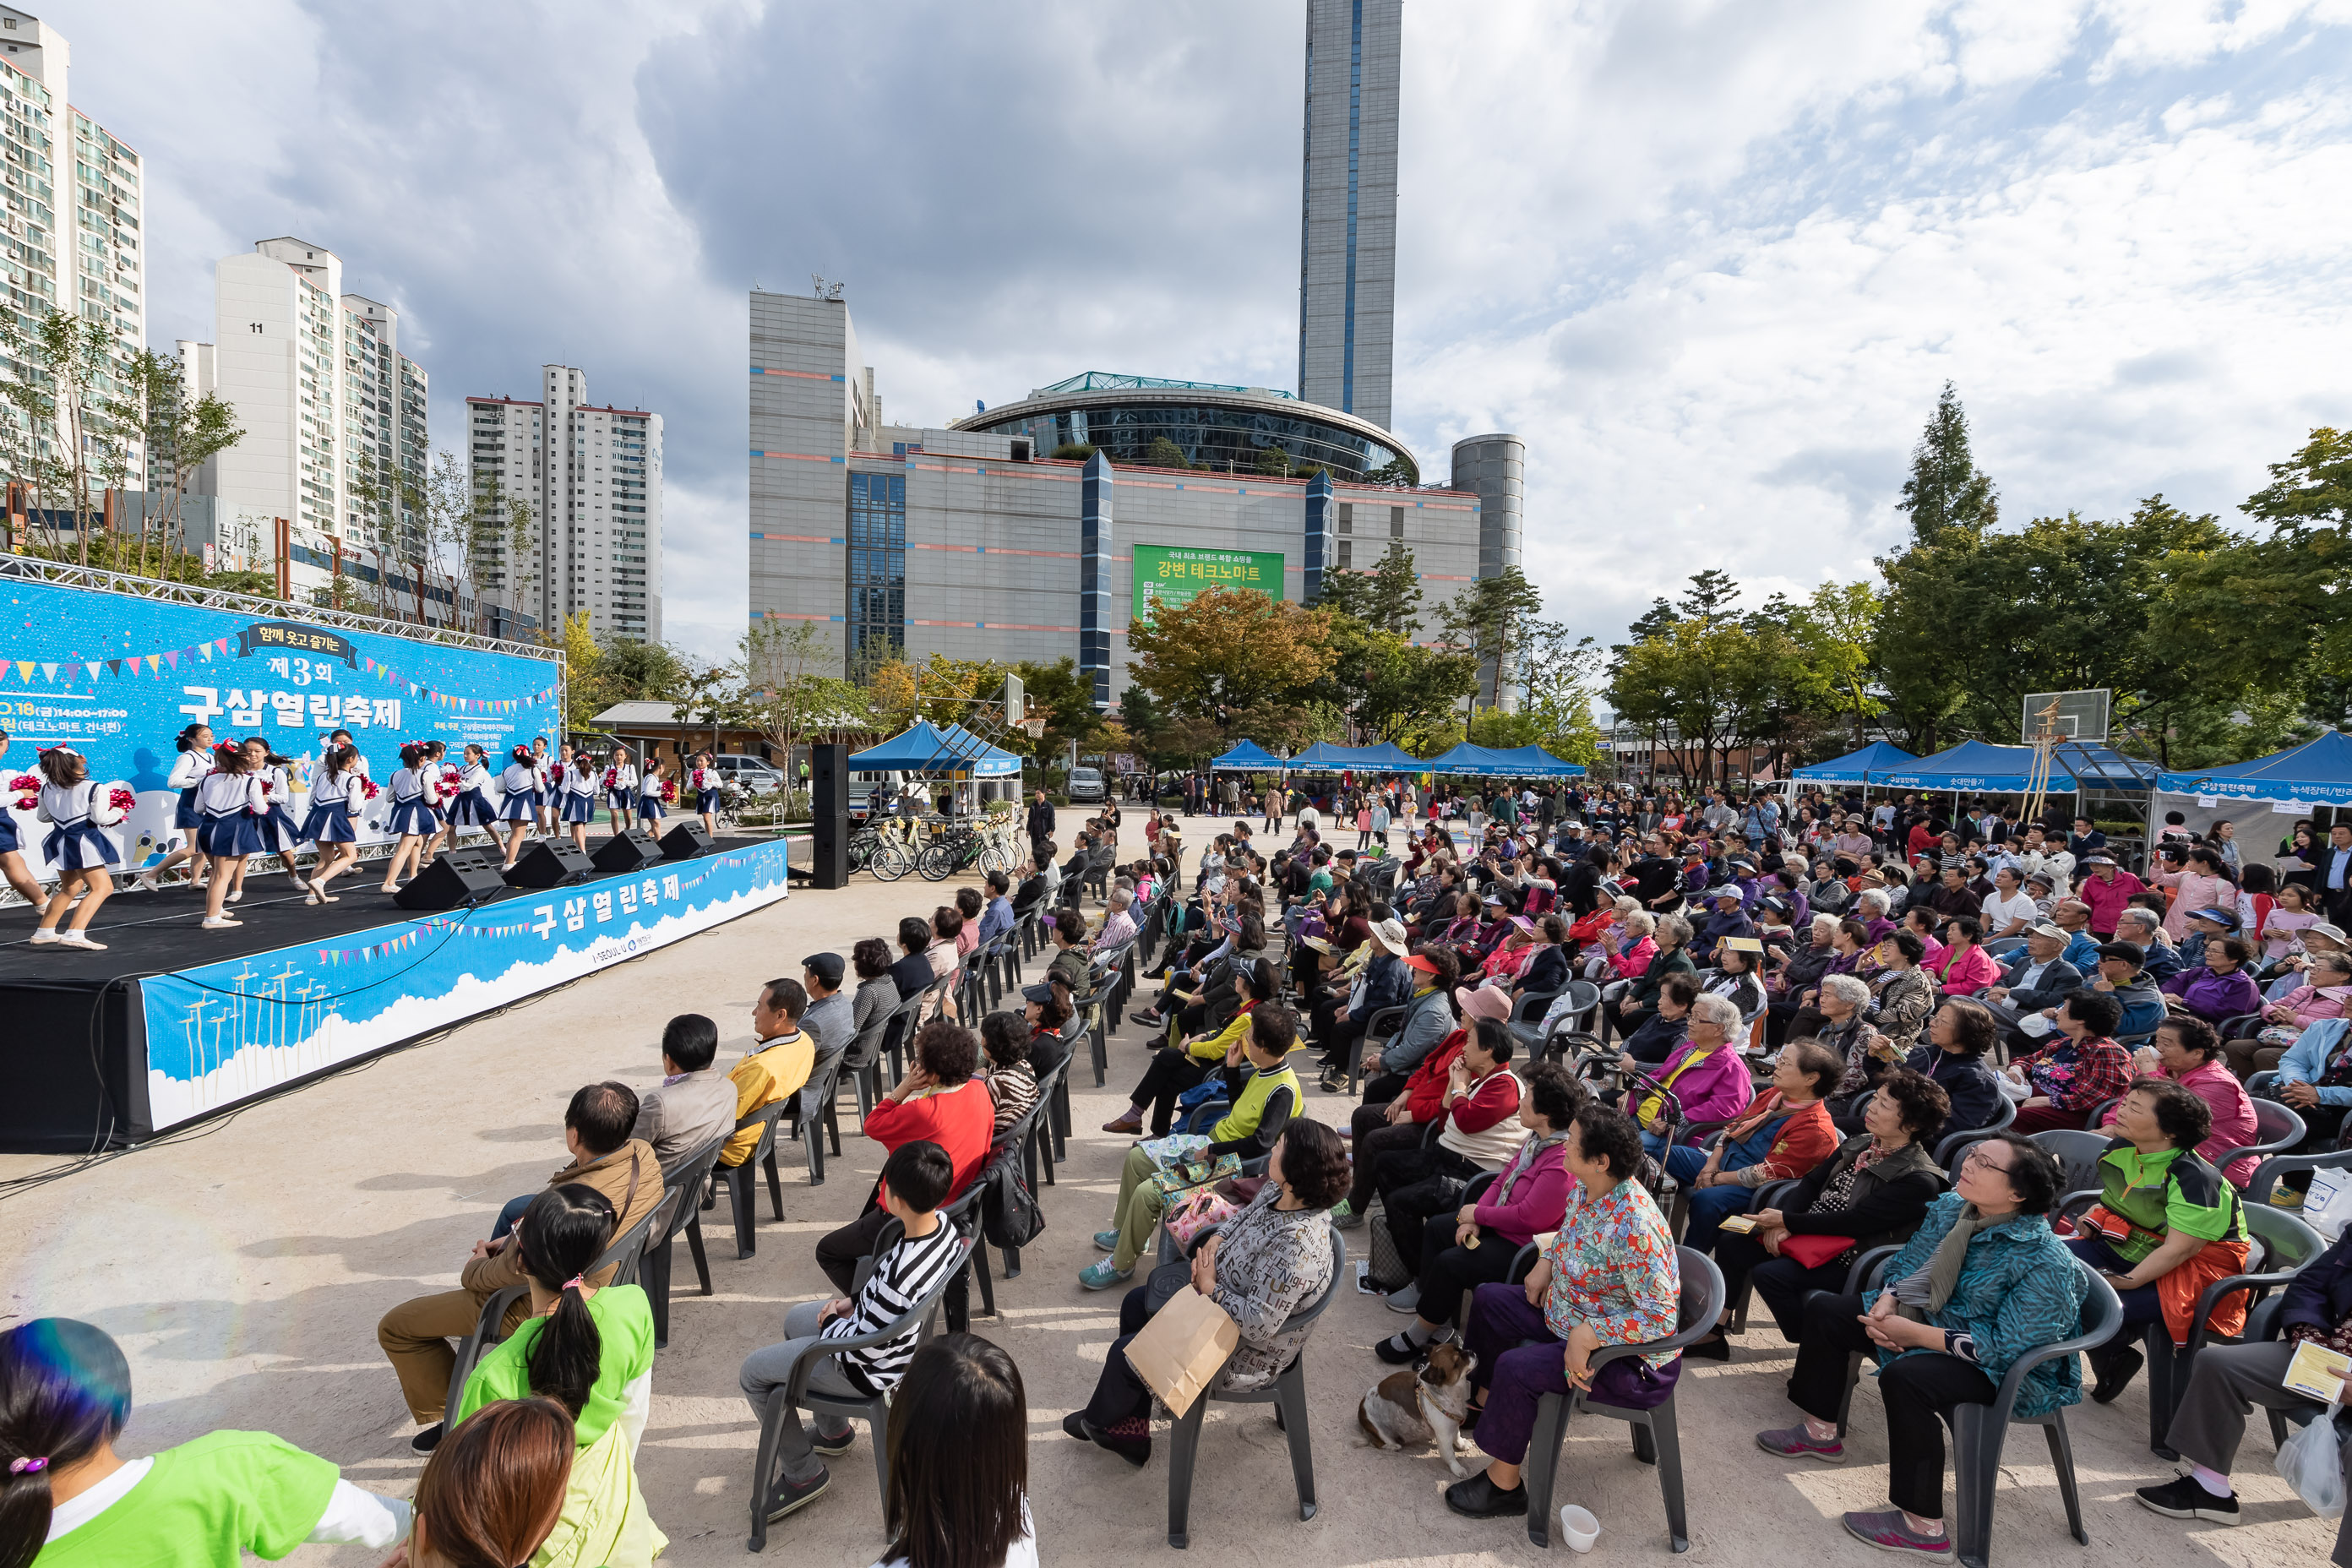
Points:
(1475, 1244)
(939, 1100)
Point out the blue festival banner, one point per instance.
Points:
(226, 1032)
(118, 676)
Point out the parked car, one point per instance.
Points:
(756, 774)
(1085, 784)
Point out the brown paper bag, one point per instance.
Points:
(1183, 1347)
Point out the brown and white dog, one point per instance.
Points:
(1407, 1409)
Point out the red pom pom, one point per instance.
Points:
(123, 798)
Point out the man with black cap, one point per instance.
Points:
(831, 1021)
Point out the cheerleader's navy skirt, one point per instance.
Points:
(230, 838)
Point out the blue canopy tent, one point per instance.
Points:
(1534, 763)
(1247, 757)
(1474, 762)
(2318, 772)
(1388, 757)
(925, 748)
(1323, 757)
(1970, 765)
(1855, 767)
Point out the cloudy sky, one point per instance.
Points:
(1711, 258)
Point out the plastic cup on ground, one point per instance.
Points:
(1578, 1528)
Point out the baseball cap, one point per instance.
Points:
(1726, 892)
(825, 966)
(2043, 928)
(2130, 953)
(1482, 1001)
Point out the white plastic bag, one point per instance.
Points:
(2327, 1207)
(2312, 1465)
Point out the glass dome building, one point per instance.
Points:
(1227, 429)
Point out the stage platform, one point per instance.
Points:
(173, 1023)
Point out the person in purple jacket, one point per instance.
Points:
(2219, 989)
(1475, 1245)
(1707, 1074)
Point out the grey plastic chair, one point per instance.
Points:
(1287, 1393)
(739, 1182)
(2283, 1247)
(874, 1411)
(1371, 1042)
(622, 1257)
(680, 1209)
(1656, 1437)
(1949, 1145)
(2077, 1153)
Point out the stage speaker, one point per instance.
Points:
(626, 850)
(550, 863)
(456, 877)
(685, 841)
(829, 797)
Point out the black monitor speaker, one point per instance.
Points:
(550, 863)
(829, 802)
(456, 877)
(626, 850)
(685, 841)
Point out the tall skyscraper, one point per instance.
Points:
(333, 413)
(592, 476)
(70, 200)
(1346, 261)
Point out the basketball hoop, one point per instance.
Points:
(1034, 728)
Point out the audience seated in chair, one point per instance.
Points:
(2081, 1070)
(939, 1102)
(1403, 1124)
(1261, 1266)
(1475, 1243)
(2165, 1226)
(1175, 1068)
(917, 1177)
(1476, 1128)
(415, 1335)
(1962, 1037)
(1871, 1193)
(1707, 1074)
(1779, 1137)
(1011, 1085)
(1982, 1281)
(1610, 1277)
(778, 1065)
(831, 1021)
(2188, 1052)
(591, 1351)
(694, 1103)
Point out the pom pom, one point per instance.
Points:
(122, 797)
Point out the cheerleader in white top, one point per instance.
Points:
(79, 849)
(445, 836)
(338, 794)
(24, 793)
(188, 770)
(704, 782)
(524, 792)
(621, 788)
(415, 792)
(280, 835)
(470, 807)
(578, 792)
(232, 805)
(546, 800)
(657, 788)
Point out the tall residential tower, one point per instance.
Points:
(1346, 261)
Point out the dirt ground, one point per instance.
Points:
(245, 1267)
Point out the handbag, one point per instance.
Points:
(1183, 1346)
(1815, 1251)
(1199, 1209)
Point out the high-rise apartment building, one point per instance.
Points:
(1347, 260)
(333, 414)
(74, 202)
(592, 478)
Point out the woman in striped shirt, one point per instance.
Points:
(1011, 1083)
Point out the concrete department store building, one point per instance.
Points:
(973, 542)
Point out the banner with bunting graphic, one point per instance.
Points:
(226, 1032)
(118, 676)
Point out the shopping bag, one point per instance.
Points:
(1181, 1349)
(2327, 1207)
(2312, 1463)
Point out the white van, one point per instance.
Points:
(1085, 784)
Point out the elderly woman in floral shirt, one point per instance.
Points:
(1609, 1278)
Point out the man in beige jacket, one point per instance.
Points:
(417, 1335)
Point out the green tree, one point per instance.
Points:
(1833, 631)
(1162, 453)
(1066, 695)
(1232, 663)
(1072, 452)
(1272, 460)
(786, 689)
(1946, 490)
(69, 438)
(1563, 674)
(1491, 623)
(1387, 597)
(179, 437)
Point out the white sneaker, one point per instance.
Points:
(44, 938)
(81, 940)
(237, 895)
(219, 922)
(147, 883)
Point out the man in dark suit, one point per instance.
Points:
(1041, 819)
(2334, 875)
(2039, 977)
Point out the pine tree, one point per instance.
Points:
(1945, 490)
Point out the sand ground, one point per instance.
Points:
(245, 1268)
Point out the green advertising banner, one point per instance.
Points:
(1168, 575)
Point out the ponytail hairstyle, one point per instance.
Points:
(65, 1392)
(63, 767)
(562, 1234)
(492, 1492)
(231, 759)
(585, 764)
(187, 741)
(339, 760)
(411, 754)
(434, 750)
(524, 755)
(474, 752)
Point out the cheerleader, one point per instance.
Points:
(524, 792)
(578, 792)
(280, 835)
(704, 782)
(415, 792)
(445, 835)
(12, 858)
(471, 807)
(78, 848)
(195, 761)
(655, 790)
(338, 792)
(544, 798)
(232, 805)
(621, 788)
